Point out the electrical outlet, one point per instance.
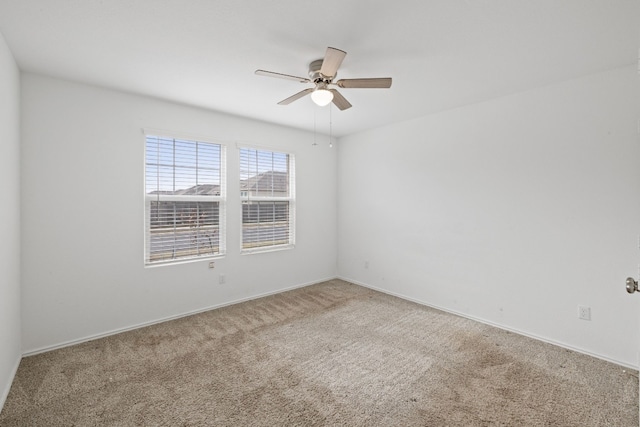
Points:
(222, 279)
(584, 313)
(212, 264)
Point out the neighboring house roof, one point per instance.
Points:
(266, 182)
(275, 181)
(199, 190)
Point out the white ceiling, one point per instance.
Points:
(440, 53)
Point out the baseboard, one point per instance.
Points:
(265, 294)
(7, 387)
(166, 319)
(487, 322)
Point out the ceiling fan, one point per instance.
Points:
(321, 75)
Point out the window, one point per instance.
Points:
(267, 194)
(184, 199)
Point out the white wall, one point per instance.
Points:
(514, 211)
(82, 210)
(10, 351)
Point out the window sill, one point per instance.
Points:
(266, 249)
(183, 261)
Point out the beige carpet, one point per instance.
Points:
(332, 354)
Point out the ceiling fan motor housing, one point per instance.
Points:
(315, 75)
(322, 72)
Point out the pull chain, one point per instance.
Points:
(314, 126)
(330, 129)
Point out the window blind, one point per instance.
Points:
(267, 195)
(184, 199)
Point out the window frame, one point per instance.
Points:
(245, 196)
(220, 199)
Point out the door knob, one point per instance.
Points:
(632, 285)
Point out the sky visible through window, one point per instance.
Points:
(179, 164)
(254, 162)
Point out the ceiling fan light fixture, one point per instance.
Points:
(322, 97)
(322, 72)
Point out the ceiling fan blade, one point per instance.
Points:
(331, 62)
(298, 95)
(339, 100)
(381, 83)
(282, 76)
